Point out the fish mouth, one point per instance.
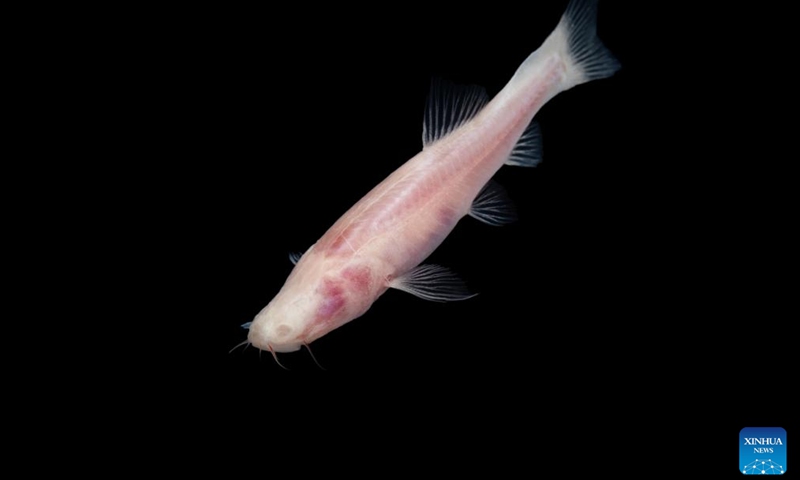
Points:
(283, 348)
(268, 336)
(272, 345)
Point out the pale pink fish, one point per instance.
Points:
(382, 240)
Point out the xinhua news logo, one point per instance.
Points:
(762, 451)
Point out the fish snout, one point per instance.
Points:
(280, 337)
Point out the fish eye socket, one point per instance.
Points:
(283, 330)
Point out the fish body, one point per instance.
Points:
(383, 239)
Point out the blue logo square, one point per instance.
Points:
(762, 451)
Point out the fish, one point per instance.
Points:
(382, 241)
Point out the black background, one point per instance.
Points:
(302, 129)
(642, 294)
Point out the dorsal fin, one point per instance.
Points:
(448, 107)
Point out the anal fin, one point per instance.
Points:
(528, 150)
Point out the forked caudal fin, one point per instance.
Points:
(575, 41)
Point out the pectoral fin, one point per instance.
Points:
(432, 282)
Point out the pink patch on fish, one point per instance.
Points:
(359, 277)
(333, 295)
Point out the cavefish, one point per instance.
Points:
(383, 240)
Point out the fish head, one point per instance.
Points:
(313, 302)
(280, 325)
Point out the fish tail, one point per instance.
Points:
(575, 41)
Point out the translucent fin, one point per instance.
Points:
(247, 325)
(528, 150)
(432, 282)
(575, 40)
(448, 107)
(493, 206)
(295, 257)
(587, 52)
